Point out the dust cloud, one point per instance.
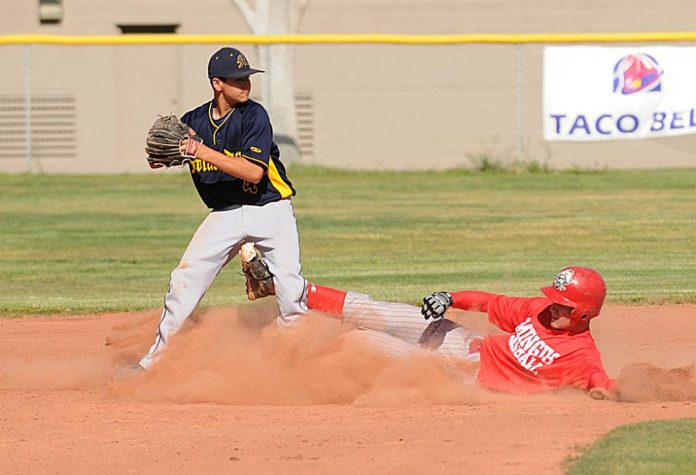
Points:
(644, 382)
(238, 356)
(228, 357)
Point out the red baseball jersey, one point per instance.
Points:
(532, 357)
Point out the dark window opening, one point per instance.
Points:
(161, 29)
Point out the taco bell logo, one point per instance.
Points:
(637, 73)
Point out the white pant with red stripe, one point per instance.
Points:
(396, 329)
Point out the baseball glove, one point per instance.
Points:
(170, 143)
(436, 304)
(259, 280)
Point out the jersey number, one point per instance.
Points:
(252, 188)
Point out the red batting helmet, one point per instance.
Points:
(581, 288)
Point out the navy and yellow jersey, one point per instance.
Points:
(245, 132)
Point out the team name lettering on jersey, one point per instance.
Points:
(199, 165)
(529, 349)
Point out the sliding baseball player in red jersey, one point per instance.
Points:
(547, 344)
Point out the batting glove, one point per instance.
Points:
(436, 304)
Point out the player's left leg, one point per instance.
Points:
(458, 366)
(273, 228)
(457, 342)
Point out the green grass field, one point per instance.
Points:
(649, 448)
(83, 244)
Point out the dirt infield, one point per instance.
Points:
(237, 397)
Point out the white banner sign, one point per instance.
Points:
(598, 93)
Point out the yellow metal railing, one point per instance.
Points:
(478, 38)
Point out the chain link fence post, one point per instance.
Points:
(27, 106)
(519, 139)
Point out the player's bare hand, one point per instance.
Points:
(436, 304)
(603, 394)
(191, 145)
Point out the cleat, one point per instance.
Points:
(127, 372)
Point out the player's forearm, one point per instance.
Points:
(471, 300)
(602, 386)
(601, 379)
(235, 166)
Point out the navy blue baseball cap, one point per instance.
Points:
(230, 63)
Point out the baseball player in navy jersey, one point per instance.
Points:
(239, 176)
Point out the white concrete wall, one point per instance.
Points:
(375, 106)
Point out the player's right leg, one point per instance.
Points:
(399, 320)
(211, 247)
(273, 229)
